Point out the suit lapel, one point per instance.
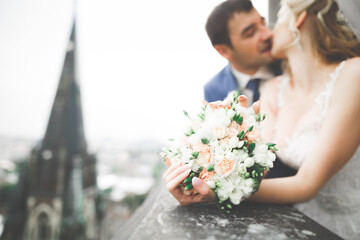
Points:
(230, 81)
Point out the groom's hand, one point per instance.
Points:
(201, 192)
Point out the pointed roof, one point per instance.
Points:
(65, 127)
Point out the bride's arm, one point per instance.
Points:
(336, 143)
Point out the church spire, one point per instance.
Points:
(65, 127)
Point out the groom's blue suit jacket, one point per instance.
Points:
(220, 85)
(224, 82)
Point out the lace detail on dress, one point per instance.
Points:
(322, 100)
(298, 145)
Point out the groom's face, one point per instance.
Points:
(251, 40)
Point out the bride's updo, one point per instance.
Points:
(333, 39)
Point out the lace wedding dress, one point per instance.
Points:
(337, 205)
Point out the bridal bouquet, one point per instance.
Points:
(223, 146)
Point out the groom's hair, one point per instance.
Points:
(217, 22)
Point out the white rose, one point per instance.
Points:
(249, 162)
(249, 182)
(233, 142)
(186, 154)
(236, 197)
(194, 139)
(262, 156)
(196, 124)
(230, 155)
(243, 157)
(208, 111)
(247, 191)
(241, 168)
(219, 118)
(211, 184)
(250, 121)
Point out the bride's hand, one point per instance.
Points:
(201, 192)
(243, 100)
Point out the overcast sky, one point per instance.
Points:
(141, 63)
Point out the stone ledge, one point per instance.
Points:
(161, 217)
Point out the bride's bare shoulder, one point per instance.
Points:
(352, 68)
(348, 83)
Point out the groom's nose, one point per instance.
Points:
(266, 33)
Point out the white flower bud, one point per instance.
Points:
(249, 162)
(242, 169)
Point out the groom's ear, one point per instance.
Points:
(300, 20)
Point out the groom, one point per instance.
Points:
(239, 34)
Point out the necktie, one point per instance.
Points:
(253, 85)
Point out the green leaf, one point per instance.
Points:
(191, 132)
(188, 179)
(258, 117)
(236, 117)
(210, 168)
(201, 116)
(241, 135)
(186, 114)
(264, 116)
(195, 154)
(273, 148)
(270, 144)
(205, 141)
(251, 146)
(240, 120)
(250, 129)
(188, 187)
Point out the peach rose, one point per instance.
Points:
(253, 135)
(206, 176)
(201, 148)
(225, 141)
(225, 166)
(234, 125)
(233, 132)
(184, 141)
(204, 159)
(220, 132)
(243, 127)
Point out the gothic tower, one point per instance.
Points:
(58, 189)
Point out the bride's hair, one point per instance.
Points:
(333, 39)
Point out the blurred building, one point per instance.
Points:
(56, 196)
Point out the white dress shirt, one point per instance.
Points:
(242, 79)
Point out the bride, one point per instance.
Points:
(312, 114)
